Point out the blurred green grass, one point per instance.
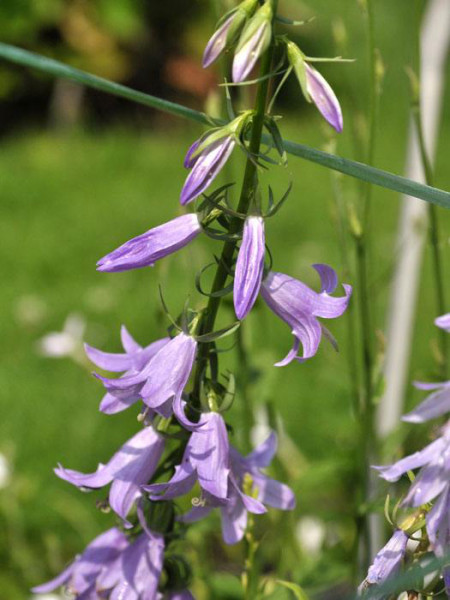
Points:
(66, 201)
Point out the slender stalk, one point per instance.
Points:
(338, 163)
(434, 236)
(247, 191)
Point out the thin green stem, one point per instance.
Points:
(343, 165)
(243, 373)
(247, 191)
(434, 237)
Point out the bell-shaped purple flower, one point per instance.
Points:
(144, 250)
(205, 165)
(81, 575)
(254, 41)
(300, 306)
(324, 98)
(136, 573)
(388, 560)
(245, 470)
(131, 362)
(249, 266)
(435, 405)
(161, 382)
(206, 460)
(130, 468)
(443, 322)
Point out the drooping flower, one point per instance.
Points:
(249, 266)
(144, 250)
(160, 383)
(245, 473)
(205, 166)
(80, 576)
(435, 405)
(206, 460)
(388, 560)
(136, 573)
(254, 41)
(300, 306)
(431, 483)
(131, 362)
(130, 468)
(315, 88)
(228, 31)
(443, 322)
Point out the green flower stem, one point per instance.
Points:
(247, 192)
(434, 236)
(337, 163)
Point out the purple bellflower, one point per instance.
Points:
(249, 266)
(315, 88)
(300, 306)
(324, 98)
(443, 322)
(205, 165)
(80, 576)
(130, 468)
(254, 41)
(136, 572)
(206, 460)
(131, 362)
(144, 250)
(228, 31)
(160, 383)
(431, 483)
(437, 403)
(388, 560)
(245, 471)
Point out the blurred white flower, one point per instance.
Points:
(5, 471)
(311, 533)
(65, 343)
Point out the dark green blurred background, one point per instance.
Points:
(82, 172)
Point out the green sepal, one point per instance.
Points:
(218, 335)
(274, 208)
(296, 59)
(230, 393)
(298, 592)
(262, 17)
(272, 128)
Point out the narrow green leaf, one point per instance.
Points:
(343, 165)
(294, 588)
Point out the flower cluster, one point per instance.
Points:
(430, 489)
(128, 561)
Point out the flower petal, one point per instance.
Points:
(435, 405)
(414, 461)
(324, 98)
(249, 266)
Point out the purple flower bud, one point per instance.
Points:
(324, 98)
(81, 575)
(218, 42)
(131, 467)
(443, 322)
(254, 41)
(249, 266)
(205, 166)
(144, 250)
(228, 31)
(388, 560)
(300, 306)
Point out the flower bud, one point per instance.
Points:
(228, 31)
(254, 41)
(315, 88)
